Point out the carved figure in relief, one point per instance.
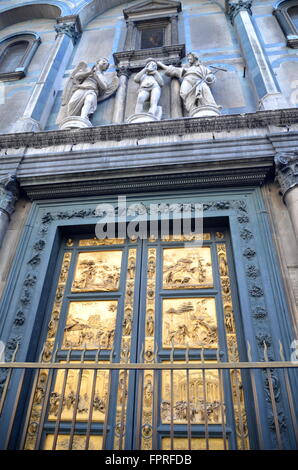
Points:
(185, 268)
(85, 88)
(196, 80)
(150, 82)
(150, 323)
(191, 322)
(148, 392)
(127, 323)
(96, 274)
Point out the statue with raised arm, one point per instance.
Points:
(84, 89)
(195, 92)
(150, 84)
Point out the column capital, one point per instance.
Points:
(234, 7)
(123, 70)
(286, 167)
(9, 191)
(69, 25)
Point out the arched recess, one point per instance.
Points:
(97, 7)
(32, 11)
(16, 52)
(286, 13)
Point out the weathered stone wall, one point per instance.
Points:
(283, 235)
(15, 94)
(10, 242)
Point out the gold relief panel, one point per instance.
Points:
(79, 442)
(189, 322)
(187, 268)
(100, 399)
(102, 242)
(90, 325)
(186, 238)
(197, 443)
(198, 410)
(97, 271)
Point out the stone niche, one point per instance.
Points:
(151, 32)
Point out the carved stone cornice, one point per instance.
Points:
(8, 193)
(69, 25)
(97, 186)
(136, 59)
(286, 165)
(118, 132)
(234, 7)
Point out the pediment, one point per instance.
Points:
(152, 6)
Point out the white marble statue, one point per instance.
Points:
(150, 82)
(85, 88)
(196, 79)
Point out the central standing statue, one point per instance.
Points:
(150, 82)
(195, 91)
(150, 87)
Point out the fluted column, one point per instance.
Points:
(286, 165)
(258, 65)
(8, 197)
(43, 95)
(120, 99)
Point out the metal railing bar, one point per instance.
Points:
(274, 409)
(60, 408)
(123, 408)
(257, 409)
(291, 404)
(272, 398)
(147, 366)
(172, 398)
(7, 380)
(45, 403)
(221, 399)
(93, 389)
(76, 404)
(255, 399)
(188, 400)
(205, 402)
(290, 395)
(239, 407)
(105, 426)
(14, 410)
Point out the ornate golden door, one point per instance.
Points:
(152, 304)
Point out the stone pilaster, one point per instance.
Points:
(120, 99)
(8, 196)
(129, 36)
(286, 165)
(260, 72)
(39, 106)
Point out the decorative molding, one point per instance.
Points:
(239, 5)
(96, 186)
(224, 123)
(152, 7)
(286, 165)
(135, 60)
(69, 25)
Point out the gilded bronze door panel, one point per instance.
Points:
(150, 302)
